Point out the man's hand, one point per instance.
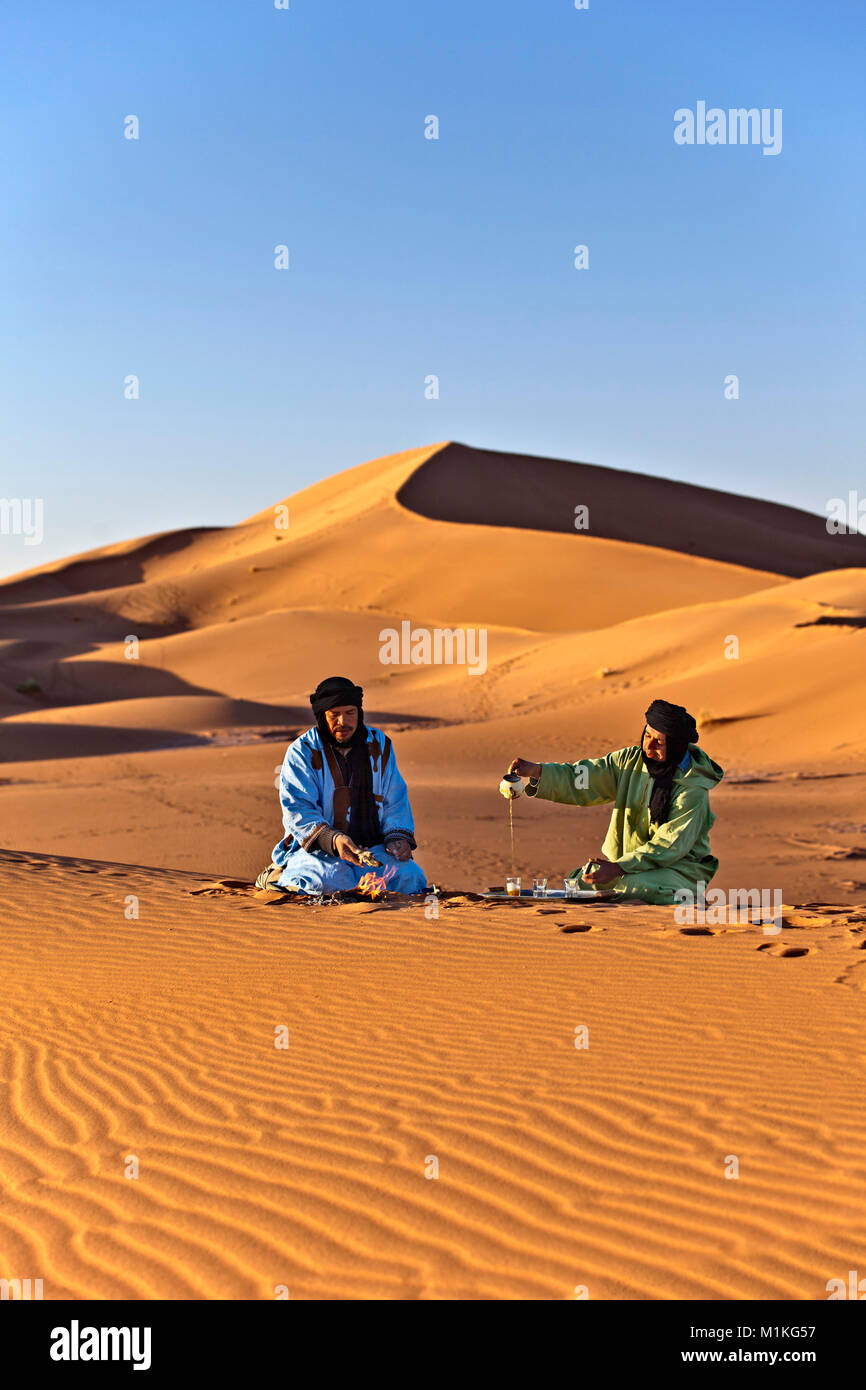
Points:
(602, 872)
(345, 848)
(399, 849)
(523, 768)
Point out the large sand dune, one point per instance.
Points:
(488, 488)
(161, 680)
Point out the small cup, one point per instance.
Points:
(570, 885)
(512, 887)
(539, 887)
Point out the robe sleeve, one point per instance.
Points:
(395, 815)
(301, 796)
(675, 838)
(565, 782)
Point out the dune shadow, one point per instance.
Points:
(246, 722)
(716, 721)
(827, 621)
(30, 743)
(73, 578)
(102, 682)
(483, 487)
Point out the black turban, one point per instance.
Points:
(674, 721)
(680, 729)
(336, 690)
(364, 824)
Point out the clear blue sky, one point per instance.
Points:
(410, 256)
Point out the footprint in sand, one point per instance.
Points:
(854, 975)
(785, 952)
(697, 931)
(221, 886)
(579, 926)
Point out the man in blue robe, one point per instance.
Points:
(341, 793)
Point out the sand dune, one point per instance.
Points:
(487, 488)
(570, 668)
(351, 545)
(147, 692)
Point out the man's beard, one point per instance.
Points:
(335, 742)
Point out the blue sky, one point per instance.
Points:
(411, 257)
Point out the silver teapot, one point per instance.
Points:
(511, 786)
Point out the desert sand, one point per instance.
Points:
(138, 778)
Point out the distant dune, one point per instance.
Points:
(235, 625)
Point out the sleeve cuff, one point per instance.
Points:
(320, 837)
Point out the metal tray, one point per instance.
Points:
(582, 895)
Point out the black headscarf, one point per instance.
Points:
(363, 812)
(680, 729)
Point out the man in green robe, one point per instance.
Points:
(657, 842)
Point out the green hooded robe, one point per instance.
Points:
(656, 860)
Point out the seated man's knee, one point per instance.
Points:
(409, 878)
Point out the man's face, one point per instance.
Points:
(655, 745)
(342, 721)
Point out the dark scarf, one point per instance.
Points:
(364, 824)
(680, 729)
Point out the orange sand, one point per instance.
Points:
(410, 1037)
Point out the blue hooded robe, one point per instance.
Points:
(307, 800)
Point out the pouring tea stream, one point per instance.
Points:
(511, 787)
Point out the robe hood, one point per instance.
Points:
(702, 768)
